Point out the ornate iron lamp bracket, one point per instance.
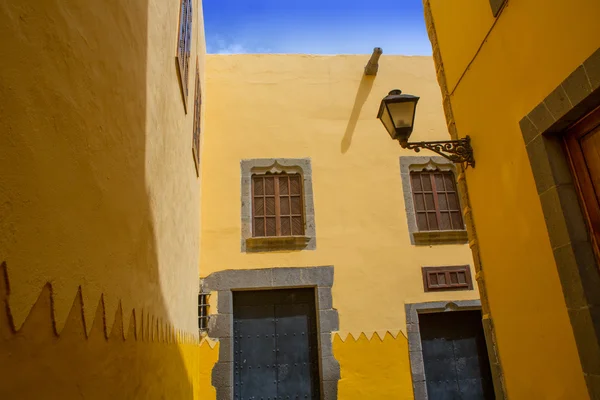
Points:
(457, 151)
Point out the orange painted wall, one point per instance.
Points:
(511, 67)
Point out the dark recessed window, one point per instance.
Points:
(184, 45)
(447, 278)
(197, 120)
(203, 311)
(436, 201)
(277, 208)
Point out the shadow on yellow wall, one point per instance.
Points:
(373, 368)
(77, 217)
(148, 361)
(364, 88)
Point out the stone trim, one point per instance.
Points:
(430, 238)
(577, 267)
(290, 165)
(418, 163)
(221, 324)
(417, 365)
(488, 326)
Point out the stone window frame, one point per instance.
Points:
(221, 324)
(542, 130)
(415, 347)
(427, 238)
(301, 166)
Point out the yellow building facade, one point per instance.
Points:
(519, 77)
(141, 176)
(100, 219)
(360, 251)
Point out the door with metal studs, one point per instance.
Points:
(275, 345)
(455, 356)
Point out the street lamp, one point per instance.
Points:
(397, 113)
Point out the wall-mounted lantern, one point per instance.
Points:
(397, 113)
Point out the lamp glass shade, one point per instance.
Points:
(402, 114)
(397, 113)
(386, 119)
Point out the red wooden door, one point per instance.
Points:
(582, 141)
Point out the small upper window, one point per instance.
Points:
(184, 44)
(277, 208)
(436, 201)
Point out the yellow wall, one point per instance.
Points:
(322, 107)
(208, 355)
(374, 368)
(98, 188)
(523, 59)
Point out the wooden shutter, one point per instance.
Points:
(184, 45)
(277, 205)
(436, 201)
(447, 278)
(197, 120)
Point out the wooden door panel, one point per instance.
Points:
(590, 146)
(582, 142)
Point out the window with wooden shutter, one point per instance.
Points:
(436, 201)
(197, 120)
(184, 46)
(447, 278)
(277, 205)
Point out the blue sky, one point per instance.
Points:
(315, 26)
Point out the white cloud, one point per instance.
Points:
(218, 45)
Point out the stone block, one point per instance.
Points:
(564, 220)
(331, 369)
(325, 299)
(222, 374)
(592, 69)
(578, 274)
(328, 321)
(414, 342)
(330, 390)
(224, 393)
(226, 349)
(586, 324)
(319, 276)
(239, 279)
(283, 277)
(558, 103)
(224, 302)
(417, 366)
(577, 85)
(541, 117)
(528, 130)
(420, 389)
(326, 345)
(220, 325)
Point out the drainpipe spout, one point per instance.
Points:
(373, 64)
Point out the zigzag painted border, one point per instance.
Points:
(368, 335)
(142, 325)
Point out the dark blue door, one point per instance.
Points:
(455, 356)
(275, 345)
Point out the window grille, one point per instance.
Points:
(203, 311)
